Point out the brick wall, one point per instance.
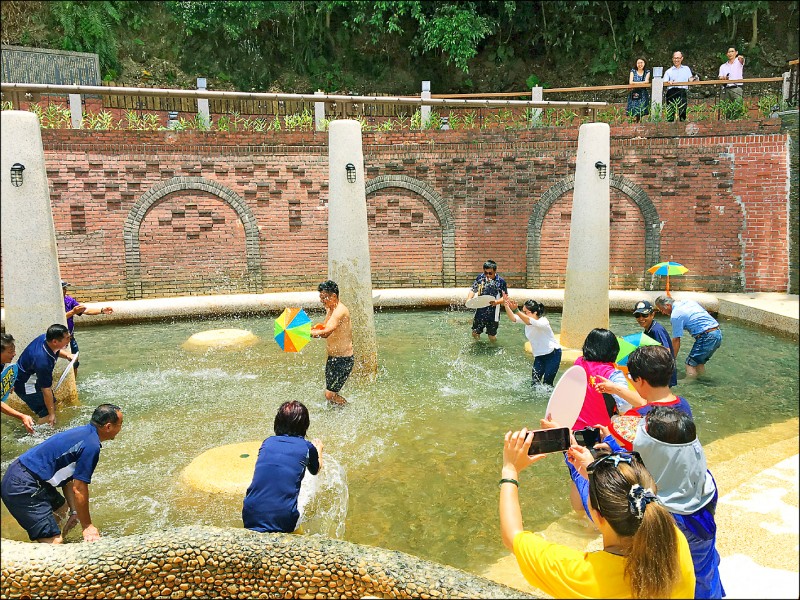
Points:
(219, 212)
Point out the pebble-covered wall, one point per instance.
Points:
(210, 562)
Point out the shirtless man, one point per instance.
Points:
(338, 330)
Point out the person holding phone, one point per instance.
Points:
(644, 555)
(544, 347)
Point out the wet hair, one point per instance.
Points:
(670, 425)
(654, 364)
(6, 340)
(601, 345)
(105, 413)
(663, 300)
(490, 264)
(56, 332)
(292, 419)
(652, 566)
(329, 287)
(535, 307)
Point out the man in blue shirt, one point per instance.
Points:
(488, 283)
(66, 460)
(34, 384)
(9, 376)
(689, 315)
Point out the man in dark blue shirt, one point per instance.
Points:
(644, 313)
(66, 460)
(34, 384)
(488, 283)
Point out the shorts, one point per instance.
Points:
(705, 344)
(337, 370)
(35, 402)
(491, 326)
(31, 501)
(73, 348)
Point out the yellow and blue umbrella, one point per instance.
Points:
(667, 268)
(631, 342)
(292, 330)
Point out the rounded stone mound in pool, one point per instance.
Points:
(220, 338)
(568, 355)
(223, 470)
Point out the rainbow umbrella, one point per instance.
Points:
(631, 342)
(292, 330)
(667, 268)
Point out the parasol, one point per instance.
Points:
(667, 268)
(629, 343)
(292, 330)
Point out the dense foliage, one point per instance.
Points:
(341, 45)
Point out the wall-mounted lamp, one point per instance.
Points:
(351, 172)
(602, 169)
(16, 174)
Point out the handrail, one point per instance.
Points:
(596, 88)
(41, 88)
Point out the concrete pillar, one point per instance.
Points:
(786, 87)
(319, 112)
(536, 113)
(425, 111)
(203, 112)
(32, 294)
(586, 289)
(348, 242)
(75, 110)
(656, 95)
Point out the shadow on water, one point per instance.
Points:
(412, 462)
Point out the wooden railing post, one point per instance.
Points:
(786, 88)
(319, 111)
(656, 91)
(425, 110)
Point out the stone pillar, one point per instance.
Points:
(656, 95)
(425, 111)
(203, 112)
(586, 289)
(348, 242)
(536, 113)
(75, 110)
(786, 86)
(319, 112)
(31, 278)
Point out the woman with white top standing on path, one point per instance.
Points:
(544, 347)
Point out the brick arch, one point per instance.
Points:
(441, 209)
(652, 223)
(146, 201)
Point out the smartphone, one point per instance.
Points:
(549, 440)
(587, 437)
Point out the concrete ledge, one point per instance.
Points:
(230, 563)
(776, 312)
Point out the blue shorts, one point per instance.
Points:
(31, 501)
(337, 370)
(73, 348)
(479, 325)
(705, 344)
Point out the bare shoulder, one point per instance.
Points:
(341, 311)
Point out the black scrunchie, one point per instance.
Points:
(638, 499)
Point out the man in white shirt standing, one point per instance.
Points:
(732, 70)
(677, 94)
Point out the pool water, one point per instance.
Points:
(416, 455)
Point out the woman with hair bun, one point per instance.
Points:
(544, 347)
(644, 555)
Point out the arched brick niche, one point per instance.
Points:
(635, 235)
(403, 218)
(204, 227)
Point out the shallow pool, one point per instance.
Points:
(419, 449)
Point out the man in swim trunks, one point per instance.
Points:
(338, 330)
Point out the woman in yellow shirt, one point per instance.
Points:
(644, 555)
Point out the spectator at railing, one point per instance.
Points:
(677, 95)
(733, 69)
(638, 98)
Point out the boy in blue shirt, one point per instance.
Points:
(66, 460)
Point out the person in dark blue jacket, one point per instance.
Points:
(270, 503)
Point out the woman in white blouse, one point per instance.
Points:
(544, 346)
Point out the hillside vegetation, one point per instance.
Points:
(389, 47)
